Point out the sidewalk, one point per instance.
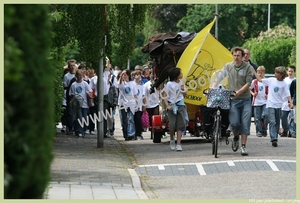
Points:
(80, 170)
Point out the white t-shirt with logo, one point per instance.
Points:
(278, 92)
(260, 98)
(173, 90)
(127, 91)
(82, 89)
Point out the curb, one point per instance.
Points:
(136, 183)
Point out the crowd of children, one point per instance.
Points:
(273, 102)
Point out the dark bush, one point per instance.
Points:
(28, 101)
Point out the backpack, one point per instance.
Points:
(112, 96)
(68, 97)
(77, 101)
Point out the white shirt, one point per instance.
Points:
(173, 90)
(67, 78)
(83, 89)
(127, 91)
(285, 105)
(278, 92)
(260, 98)
(152, 100)
(139, 87)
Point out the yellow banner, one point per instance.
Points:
(202, 57)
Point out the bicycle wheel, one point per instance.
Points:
(217, 133)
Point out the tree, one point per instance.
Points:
(237, 22)
(168, 15)
(125, 21)
(28, 101)
(273, 48)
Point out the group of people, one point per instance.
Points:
(77, 99)
(272, 99)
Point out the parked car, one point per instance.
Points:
(268, 75)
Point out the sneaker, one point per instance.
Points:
(172, 144)
(259, 135)
(164, 136)
(140, 137)
(265, 133)
(178, 147)
(63, 130)
(283, 134)
(274, 143)
(92, 133)
(244, 151)
(235, 143)
(79, 135)
(87, 132)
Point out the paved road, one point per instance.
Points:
(194, 173)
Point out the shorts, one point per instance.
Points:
(177, 122)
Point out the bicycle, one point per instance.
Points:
(218, 99)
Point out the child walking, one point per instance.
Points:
(137, 74)
(278, 93)
(174, 93)
(259, 92)
(127, 104)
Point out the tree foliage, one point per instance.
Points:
(168, 15)
(237, 22)
(125, 21)
(89, 28)
(28, 101)
(273, 48)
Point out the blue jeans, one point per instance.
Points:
(259, 115)
(70, 123)
(284, 120)
(127, 122)
(82, 116)
(274, 116)
(92, 111)
(240, 115)
(292, 124)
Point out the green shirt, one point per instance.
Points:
(238, 77)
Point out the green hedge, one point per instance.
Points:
(273, 52)
(28, 101)
(273, 48)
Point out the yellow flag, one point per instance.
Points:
(202, 57)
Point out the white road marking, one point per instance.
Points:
(200, 169)
(230, 163)
(161, 167)
(272, 165)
